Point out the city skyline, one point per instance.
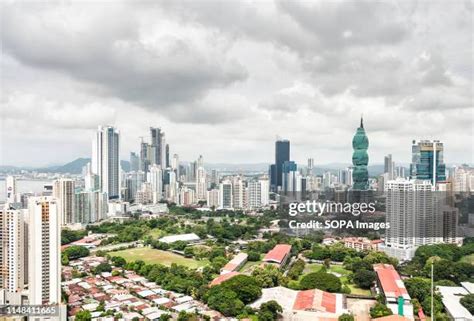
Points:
(198, 77)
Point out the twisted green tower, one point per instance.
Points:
(360, 159)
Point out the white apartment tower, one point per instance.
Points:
(44, 259)
(201, 184)
(156, 180)
(238, 193)
(258, 193)
(12, 254)
(63, 191)
(105, 160)
(414, 213)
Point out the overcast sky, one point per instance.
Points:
(223, 79)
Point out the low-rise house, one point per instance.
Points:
(362, 244)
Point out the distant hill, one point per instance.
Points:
(74, 167)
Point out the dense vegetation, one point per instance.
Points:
(69, 236)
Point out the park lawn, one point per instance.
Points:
(468, 259)
(356, 290)
(154, 256)
(314, 267)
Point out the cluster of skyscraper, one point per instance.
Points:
(30, 255)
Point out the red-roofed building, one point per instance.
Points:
(315, 300)
(236, 263)
(362, 244)
(392, 287)
(305, 305)
(223, 277)
(278, 255)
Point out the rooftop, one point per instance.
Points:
(278, 253)
(191, 237)
(451, 300)
(392, 284)
(223, 277)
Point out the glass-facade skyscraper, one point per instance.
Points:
(427, 161)
(360, 159)
(282, 154)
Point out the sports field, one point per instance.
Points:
(468, 259)
(154, 256)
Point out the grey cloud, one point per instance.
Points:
(110, 54)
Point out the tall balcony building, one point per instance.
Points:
(106, 161)
(63, 191)
(201, 184)
(44, 259)
(156, 180)
(414, 212)
(12, 254)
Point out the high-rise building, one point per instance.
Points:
(258, 193)
(134, 162)
(187, 196)
(414, 213)
(171, 187)
(145, 153)
(282, 154)
(156, 142)
(167, 156)
(12, 254)
(427, 161)
(214, 178)
(389, 166)
(106, 161)
(44, 259)
(10, 182)
(156, 180)
(201, 185)
(290, 177)
(63, 191)
(225, 194)
(90, 206)
(213, 198)
(238, 192)
(310, 166)
(360, 159)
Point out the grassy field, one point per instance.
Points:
(314, 267)
(340, 270)
(156, 233)
(468, 259)
(248, 266)
(153, 256)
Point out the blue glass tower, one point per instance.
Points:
(427, 161)
(360, 159)
(282, 154)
